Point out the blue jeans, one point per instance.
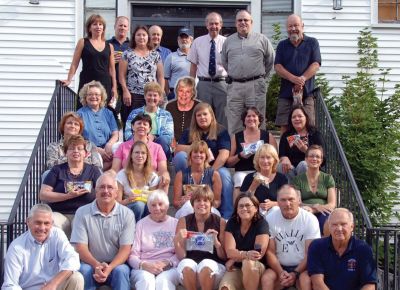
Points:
(118, 278)
(226, 208)
(165, 144)
(139, 209)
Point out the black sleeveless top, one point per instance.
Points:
(247, 164)
(95, 66)
(213, 222)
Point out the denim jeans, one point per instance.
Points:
(139, 209)
(226, 207)
(118, 278)
(165, 144)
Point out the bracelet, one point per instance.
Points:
(296, 273)
(240, 156)
(141, 265)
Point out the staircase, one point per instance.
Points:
(385, 242)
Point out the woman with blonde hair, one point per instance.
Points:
(97, 58)
(100, 125)
(197, 174)
(139, 177)
(204, 127)
(265, 181)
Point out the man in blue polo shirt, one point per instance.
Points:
(341, 262)
(297, 60)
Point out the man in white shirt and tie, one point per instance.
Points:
(205, 58)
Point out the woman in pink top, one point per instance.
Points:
(152, 257)
(141, 127)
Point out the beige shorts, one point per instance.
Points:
(233, 280)
(285, 107)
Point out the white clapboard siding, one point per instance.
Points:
(36, 47)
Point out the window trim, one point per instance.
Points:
(375, 20)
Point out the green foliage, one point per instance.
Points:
(369, 129)
(274, 84)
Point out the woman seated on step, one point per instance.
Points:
(141, 127)
(265, 181)
(317, 188)
(137, 180)
(244, 145)
(70, 125)
(70, 185)
(295, 142)
(197, 174)
(100, 125)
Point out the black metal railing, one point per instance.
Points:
(385, 241)
(63, 100)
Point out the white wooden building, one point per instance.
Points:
(37, 43)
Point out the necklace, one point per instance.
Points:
(74, 175)
(313, 182)
(192, 181)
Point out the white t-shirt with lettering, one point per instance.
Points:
(290, 235)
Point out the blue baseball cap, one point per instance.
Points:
(186, 31)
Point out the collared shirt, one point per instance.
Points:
(104, 234)
(176, 66)
(164, 52)
(296, 60)
(246, 57)
(99, 125)
(121, 47)
(200, 55)
(165, 124)
(29, 264)
(352, 270)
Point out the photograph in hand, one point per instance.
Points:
(78, 185)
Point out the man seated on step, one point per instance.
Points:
(103, 233)
(42, 257)
(341, 261)
(292, 229)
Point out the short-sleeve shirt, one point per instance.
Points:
(325, 181)
(59, 176)
(99, 125)
(265, 192)
(176, 65)
(290, 235)
(124, 181)
(296, 60)
(103, 234)
(141, 70)
(181, 119)
(223, 141)
(156, 152)
(354, 269)
(246, 242)
(293, 153)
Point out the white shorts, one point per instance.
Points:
(187, 209)
(217, 270)
(239, 176)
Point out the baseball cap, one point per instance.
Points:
(185, 30)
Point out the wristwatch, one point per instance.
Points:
(296, 273)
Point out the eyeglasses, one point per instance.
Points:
(243, 20)
(246, 206)
(93, 95)
(314, 156)
(76, 149)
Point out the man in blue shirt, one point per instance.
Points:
(156, 33)
(297, 60)
(340, 261)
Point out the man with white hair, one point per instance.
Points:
(176, 64)
(103, 234)
(42, 257)
(341, 261)
(155, 34)
(292, 229)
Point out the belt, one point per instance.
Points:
(171, 89)
(243, 80)
(216, 79)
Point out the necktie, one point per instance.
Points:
(212, 64)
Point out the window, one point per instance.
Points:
(107, 9)
(389, 11)
(275, 11)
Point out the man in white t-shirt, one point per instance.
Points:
(291, 229)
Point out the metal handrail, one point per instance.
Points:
(62, 100)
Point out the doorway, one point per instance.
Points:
(171, 18)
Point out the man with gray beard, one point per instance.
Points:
(176, 64)
(297, 60)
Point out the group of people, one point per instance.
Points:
(201, 249)
(110, 198)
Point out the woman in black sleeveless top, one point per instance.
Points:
(97, 58)
(201, 257)
(239, 158)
